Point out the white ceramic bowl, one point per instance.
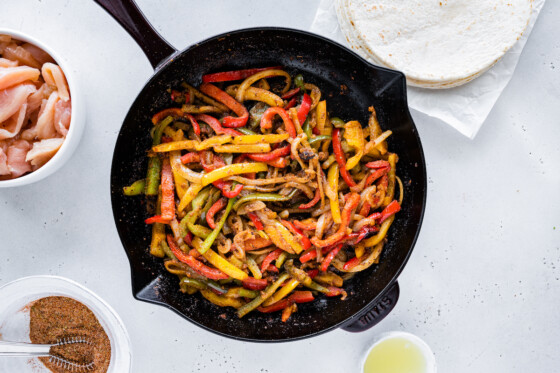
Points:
(422, 346)
(77, 122)
(14, 320)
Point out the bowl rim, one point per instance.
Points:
(76, 123)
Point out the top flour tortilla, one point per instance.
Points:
(437, 41)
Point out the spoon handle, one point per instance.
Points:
(23, 349)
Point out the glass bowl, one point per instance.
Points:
(14, 320)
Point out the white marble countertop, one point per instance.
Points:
(483, 283)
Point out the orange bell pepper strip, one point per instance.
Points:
(235, 106)
(313, 202)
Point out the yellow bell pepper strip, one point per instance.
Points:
(355, 138)
(332, 179)
(235, 106)
(221, 301)
(375, 132)
(209, 241)
(258, 76)
(393, 158)
(282, 293)
(372, 241)
(257, 94)
(259, 139)
(321, 112)
(135, 188)
(263, 296)
(268, 197)
(189, 195)
(341, 158)
(231, 170)
(240, 292)
(219, 262)
(282, 237)
(329, 278)
(192, 145)
(249, 148)
(359, 250)
(154, 164)
(167, 192)
(227, 76)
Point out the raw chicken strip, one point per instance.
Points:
(40, 55)
(10, 76)
(12, 98)
(45, 122)
(54, 76)
(17, 53)
(35, 100)
(4, 170)
(16, 158)
(43, 150)
(62, 116)
(13, 125)
(7, 63)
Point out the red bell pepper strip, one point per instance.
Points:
(291, 93)
(353, 262)
(254, 284)
(341, 158)
(375, 215)
(328, 259)
(315, 131)
(234, 105)
(156, 219)
(190, 158)
(290, 104)
(306, 244)
(302, 296)
(313, 202)
(352, 202)
(365, 209)
(378, 164)
(391, 209)
(216, 125)
(194, 253)
(334, 291)
(296, 297)
(270, 156)
(217, 206)
(188, 238)
(312, 273)
(224, 186)
(231, 193)
(376, 175)
(194, 123)
(266, 120)
(304, 108)
(167, 191)
(278, 306)
(256, 221)
(273, 255)
(211, 273)
(278, 163)
(305, 226)
(228, 76)
(165, 139)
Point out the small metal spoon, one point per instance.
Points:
(22, 349)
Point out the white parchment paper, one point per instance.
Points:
(465, 108)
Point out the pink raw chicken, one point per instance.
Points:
(11, 99)
(62, 116)
(7, 63)
(45, 124)
(4, 170)
(10, 76)
(54, 76)
(43, 150)
(12, 126)
(16, 158)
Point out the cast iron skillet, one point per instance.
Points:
(350, 85)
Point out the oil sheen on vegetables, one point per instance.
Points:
(395, 355)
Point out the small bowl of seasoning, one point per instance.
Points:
(49, 309)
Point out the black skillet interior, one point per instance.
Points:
(350, 85)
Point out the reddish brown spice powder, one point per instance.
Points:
(55, 318)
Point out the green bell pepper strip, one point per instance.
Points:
(241, 292)
(154, 164)
(246, 131)
(318, 139)
(270, 197)
(201, 284)
(135, 188)
(281, 259)
(307, 128)
(214, 234)
(198, 230)
(264, 295)
(167, 250)
(298, 82)
(337, 122)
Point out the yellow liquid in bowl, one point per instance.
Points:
(395, 355)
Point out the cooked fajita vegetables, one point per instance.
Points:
(262, 200)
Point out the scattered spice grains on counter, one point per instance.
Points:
(55, 318)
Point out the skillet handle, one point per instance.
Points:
(376, 312)
(131, 18)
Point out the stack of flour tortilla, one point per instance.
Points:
(435, 43)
